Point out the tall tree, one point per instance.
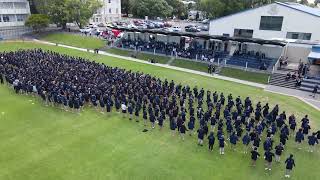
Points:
(125, 6)
(61, 12)
(80, 11)
(37, 22)
(151, 8)
(211, 8)
(178, 7)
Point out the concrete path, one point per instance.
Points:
(303, 96)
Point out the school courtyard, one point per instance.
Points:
(40, 142)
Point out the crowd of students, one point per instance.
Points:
(194, 51)
(73, 82)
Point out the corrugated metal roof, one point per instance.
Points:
(301, 7)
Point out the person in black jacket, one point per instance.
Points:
(211, 140)
(278, 152)
(289, 166)
(254, 156)
(182, 131)
(268, 155)
(200, 136)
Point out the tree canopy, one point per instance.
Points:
(63, 11)
(37, 22)
(151, 8)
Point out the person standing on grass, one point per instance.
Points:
(211, 140)
(290, 164)
(200, 136)
(182, 131)
(268, 155)
(312, 141)
(299, 138)
(246, 142)
(191, 125)
(278, 151)
(173, 125)
(221, 145)
(1, 78)
(233, 140)
(124, 109)
(130, 110)
(254, 156)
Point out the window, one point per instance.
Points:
(6, 5)
(245, 33)
(109, 10)
(299, 35)
(0, 18)
(6, 18)
(109, 1)
(117, 10)
(226, 35)
(272, 23)
(21, 17)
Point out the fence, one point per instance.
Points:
(14, 32)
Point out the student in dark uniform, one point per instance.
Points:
(221, 145)
(278, 151)
(173, 126)
(145, 117)
(289, 166)
(191, 125)
(299, 138)
(233, 140)
(312, 141)
(211, 140)
(182, 131)
(200, 136)
(246, 142)
(268, 155)
(130, 110)
(254, 156)
(1, 78)
(160, 121)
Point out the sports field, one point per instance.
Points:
(39, 142)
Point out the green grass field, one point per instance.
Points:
(140, 55)
(245, 75)
(203, 67)
(75, 40)
(39, 142)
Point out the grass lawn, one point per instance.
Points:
(140, 55)
(75, 40)
(245, 75)
(198, 66)
(39, 142)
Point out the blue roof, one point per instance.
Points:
(302, 8)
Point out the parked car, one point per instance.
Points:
(151, 25)
(167, 24)
(206, 21)
(204, 28)
(158, 24)
(193, 29)
(176, 29)
(86, 30)
(101, 25)
(132, 26)
(167, 29)
(142, 26)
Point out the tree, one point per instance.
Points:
(63, 11)
(37, 22)
(125, 6)
(211, 8)
(80, 11)
(151, 8)
(178, 8)
(316, 2)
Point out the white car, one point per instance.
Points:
(132, 26)
(86, 30)
(176, 29)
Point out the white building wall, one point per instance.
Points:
(13, 9)
(110, 11)
(293, 21)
